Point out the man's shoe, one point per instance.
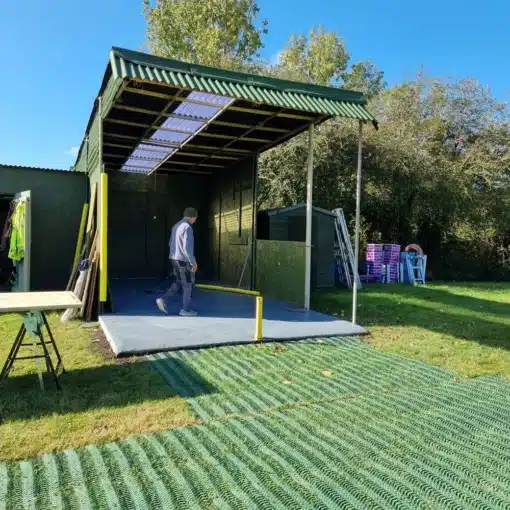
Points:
(162, 305)
(188, 313)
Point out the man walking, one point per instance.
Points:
(184, 264)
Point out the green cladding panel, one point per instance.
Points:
(281, 270)
(289, 224)
(231, 224)
(141, 214)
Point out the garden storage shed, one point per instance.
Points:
(55, 203)
(289, 224)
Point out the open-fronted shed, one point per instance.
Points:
(193, 127)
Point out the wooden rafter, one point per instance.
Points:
(242, 137)
(231, 108)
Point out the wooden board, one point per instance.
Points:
(11, 302)
(87, 283)
(92, 290)
(92, 209)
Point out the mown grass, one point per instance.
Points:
(100, 400)
(458, 326)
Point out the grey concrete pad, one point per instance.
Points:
(137, 326)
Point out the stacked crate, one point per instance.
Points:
(375, 260)
(391, 261)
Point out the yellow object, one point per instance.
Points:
(228, 289)
(103, 240)
(81, 232)
(17, 245)
(92, 208)
(258, 318)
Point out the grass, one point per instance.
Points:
(310, 425)
(100, 400)
(461, 327)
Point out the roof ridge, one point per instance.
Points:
(28, 167)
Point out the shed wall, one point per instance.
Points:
(142, 211)
(57, 203)
(231, 223)
(281, 270)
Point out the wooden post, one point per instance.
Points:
(81, 234)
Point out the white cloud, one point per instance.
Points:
(275, 59)
(73, 151)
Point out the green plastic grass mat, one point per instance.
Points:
(433, 447)
(239, 380)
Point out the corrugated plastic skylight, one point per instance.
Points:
(174, 133)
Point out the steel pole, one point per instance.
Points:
(309, 197)
(357, 228)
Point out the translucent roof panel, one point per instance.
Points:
(148, 154)
(169, 136)
(182, 124)
(135, 170)
(147, 157)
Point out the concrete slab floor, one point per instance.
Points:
(137, 326)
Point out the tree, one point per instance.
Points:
(364, 77)
(320, 58)
(437, 172)
(222, 33)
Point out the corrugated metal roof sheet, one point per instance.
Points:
(126, 64)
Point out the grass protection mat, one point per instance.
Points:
(243, 379)
(436, 447)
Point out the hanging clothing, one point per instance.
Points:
(6, 231)
(17, 247)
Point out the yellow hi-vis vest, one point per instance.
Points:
(17, 246)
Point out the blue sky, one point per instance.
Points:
(54, 54)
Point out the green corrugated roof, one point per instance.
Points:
(259, 89)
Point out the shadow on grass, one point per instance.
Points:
(109, 386)
(441, 315)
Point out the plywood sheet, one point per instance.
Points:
(37, 301)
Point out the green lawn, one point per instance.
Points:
(100, 400)
(458, 326)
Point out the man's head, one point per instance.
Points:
(190, 214)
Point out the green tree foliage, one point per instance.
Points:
(364, 77)
(321, 58)
(437, 172)
(221, 33)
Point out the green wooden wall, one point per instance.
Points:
(281, 270)
(291, 225)
(231, 223)
(142, 211)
